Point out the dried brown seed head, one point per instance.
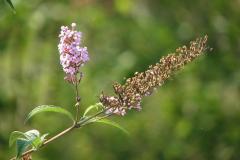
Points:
(142, 84)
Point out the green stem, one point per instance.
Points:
(77, 99)
(83, 122)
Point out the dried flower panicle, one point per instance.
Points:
(142, 84)
(72, 55)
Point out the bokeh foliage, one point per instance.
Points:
(194, 116)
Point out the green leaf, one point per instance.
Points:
(49, 108)
(22, 145)
(14, 136)
(24, 140)
(112, 123)
(95, 106)
(11, 5)
(35, 138)
(36, 143)
(43, 137)
(32, 134)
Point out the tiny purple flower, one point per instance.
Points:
(72, 55)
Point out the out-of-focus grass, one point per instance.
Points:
(194, 116)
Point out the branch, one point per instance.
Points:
(48, 141)
(76, 125)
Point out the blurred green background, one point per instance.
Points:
(196, 115)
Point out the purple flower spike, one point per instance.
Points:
(72, 55)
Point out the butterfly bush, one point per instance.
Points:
(72, 54)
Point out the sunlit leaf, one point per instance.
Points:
(24, 140)
(14, 136)
(37, 142)
(49, 108)
(95, 106)
(43, 137)
(112, 123)
(32, 134)
(35, 138)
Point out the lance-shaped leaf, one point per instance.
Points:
(32, 134)
(95, 106)
(11, 5)
(25, 140)
(14, 136)
(38, 141)
(43, 137)
(49, 108)
(29, 135)
(112, 123)
(22, 145)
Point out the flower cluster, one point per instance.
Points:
(142, 84)
(72, 56)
